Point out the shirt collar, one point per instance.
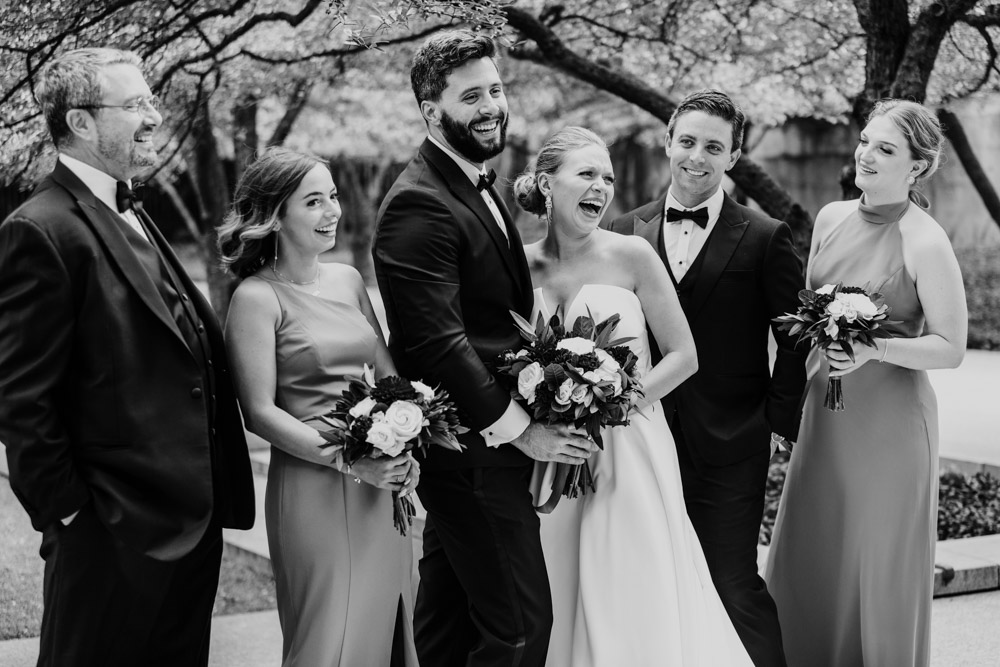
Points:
(101, 184)
(713, 203)
(468, 168)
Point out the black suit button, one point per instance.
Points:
(201, 328)
(184, 297)
(213, 432)
(196, 392)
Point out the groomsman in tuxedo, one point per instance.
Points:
(123, 436)
(734, 270)
(450, 268)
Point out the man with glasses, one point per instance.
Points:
(123, 436)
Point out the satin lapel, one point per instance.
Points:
(516, 252)
(202, 306)
(721, 245)
(648, 223)
(462, 188)
(108, 229)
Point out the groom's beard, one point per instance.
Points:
(463, 139)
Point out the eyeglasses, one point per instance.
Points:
(152, 103)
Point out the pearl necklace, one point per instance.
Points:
(314, 281)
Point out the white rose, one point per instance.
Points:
(582, 394)
(826, 289)
(598, 376)
(423, 389)
(528, 379)
(405, 419)
(380, 434)
(836, 308)
(576, 345)
(565, 392)
(861, 303)
(608, 363)
(363, 408)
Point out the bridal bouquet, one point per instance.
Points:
(577, 376)
(838, 314)
(388, 417)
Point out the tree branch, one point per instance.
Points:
(551, 52)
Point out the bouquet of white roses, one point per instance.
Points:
(577, 376)
(838, 314)
(388, 417)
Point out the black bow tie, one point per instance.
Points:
(700, 216)
(486, 180)
(125, 197)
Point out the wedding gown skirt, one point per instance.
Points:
(630, 585)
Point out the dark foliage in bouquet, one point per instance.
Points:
(578, 376)
(388, 417)
(838, 314)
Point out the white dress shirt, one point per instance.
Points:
(104, 187)
(683, 239)
(514, 420)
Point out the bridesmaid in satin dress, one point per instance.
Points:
(296, 328)
(851, 565)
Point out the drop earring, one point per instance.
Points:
(548, 208)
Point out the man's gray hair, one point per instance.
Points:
(73, 80)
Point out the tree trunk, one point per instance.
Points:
(960, 142)
(296, 103)
(213, 190)
(245, 141)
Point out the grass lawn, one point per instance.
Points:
(244, 585)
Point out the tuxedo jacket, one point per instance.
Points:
(746, 274)
(101, 398)
(449, 280)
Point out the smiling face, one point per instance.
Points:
(310, 216)
(582, 189)
(471, 115)
(883, 162)
(701, 152)
(118, 141)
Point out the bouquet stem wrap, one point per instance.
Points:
(834, 395)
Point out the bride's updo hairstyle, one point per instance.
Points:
(247, 233)
(923, 133)
(550, 159)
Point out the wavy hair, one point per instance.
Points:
(247, 233)
(440, 55)
(550, 158)
(73, 80)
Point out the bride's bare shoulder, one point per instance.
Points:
(627, 248)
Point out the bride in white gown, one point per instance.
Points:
(630, 585)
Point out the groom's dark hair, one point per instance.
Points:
(441, 54)
(714, 103)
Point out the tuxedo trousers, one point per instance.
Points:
(726, 505)
(107, 605)
(484, 596)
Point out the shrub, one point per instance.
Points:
(968, 505)
(981, 274)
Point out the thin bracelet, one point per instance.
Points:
(357, 480)
(885, 350)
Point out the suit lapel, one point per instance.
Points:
(206, 314)
(718, 250)
(108, 229)
(647, 222)
(462, 188)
